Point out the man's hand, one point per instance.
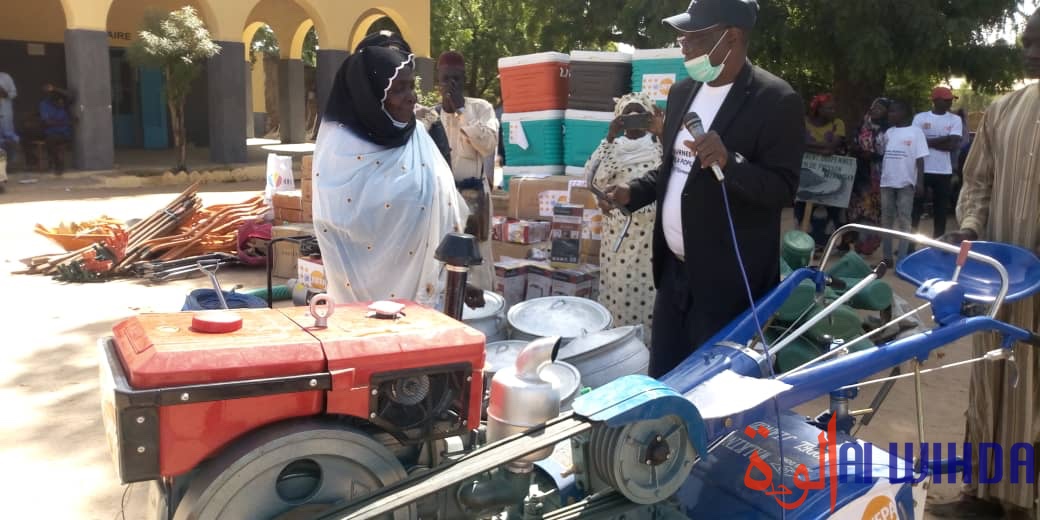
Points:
(710, 150)
(956, 237)
(618, 195)
(474, 297)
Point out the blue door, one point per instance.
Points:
(154, 123)
(124, 112)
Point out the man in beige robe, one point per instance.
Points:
(472, 130)
(999, 202)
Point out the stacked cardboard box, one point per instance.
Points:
(306, 188)
(288, 207)
(566, 235)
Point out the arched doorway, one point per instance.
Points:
(32, 52)
(378, 19)
(140, 116)
(262, 53)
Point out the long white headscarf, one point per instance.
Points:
(380, 213)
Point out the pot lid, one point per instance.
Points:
(564, 316)
(597, 340)
(502, 354)
(564, 377)
(493, 304)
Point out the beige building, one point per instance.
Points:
(80, 44)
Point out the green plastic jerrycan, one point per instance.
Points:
(850, 266)
(797, 249)
(875, 296)
(795, 354)
(844, 323)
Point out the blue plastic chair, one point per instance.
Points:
(980, 281)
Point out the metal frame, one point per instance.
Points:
(137, 411)
(464, 370)
(923, 240)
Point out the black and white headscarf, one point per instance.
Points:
(360, 89)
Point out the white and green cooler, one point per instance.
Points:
(583, 131)
(533, 138)
(656, 70)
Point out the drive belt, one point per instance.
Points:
(472, 464)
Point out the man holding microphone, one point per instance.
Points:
(754, 140)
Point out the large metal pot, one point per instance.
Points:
(568, 317)
(489, 319)
(565, 377)
(604, 356)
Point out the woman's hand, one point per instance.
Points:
(614, 130)
(657, 122)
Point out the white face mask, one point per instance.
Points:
(700, 68)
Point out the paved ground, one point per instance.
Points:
(55, 458)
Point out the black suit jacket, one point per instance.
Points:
(762, 119)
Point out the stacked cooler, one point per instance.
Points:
(656, 70)
(534, 97)
(597, 78)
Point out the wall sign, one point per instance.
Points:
(123, 36)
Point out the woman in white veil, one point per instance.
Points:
(384, 197)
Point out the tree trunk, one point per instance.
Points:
(853, 96)
(182, 155)
(175, 126)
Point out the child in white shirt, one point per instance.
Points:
(902, 175)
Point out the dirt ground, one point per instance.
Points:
(53, 448)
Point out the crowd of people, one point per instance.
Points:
(906, 163)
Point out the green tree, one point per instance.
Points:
(265, 43)
(862, 49)
(178, 44)
(858, 49)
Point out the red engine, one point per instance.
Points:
(173, 396)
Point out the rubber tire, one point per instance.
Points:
(219, 479)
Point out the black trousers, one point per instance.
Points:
(677, 330)
(940, 186)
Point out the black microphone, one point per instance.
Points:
(693, 125)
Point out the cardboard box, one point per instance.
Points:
(307, 192)
(526, 200)
(307, 167)
(579, 194)
(308, 214)
(593, 273)
(502, 250)
(285, 255)
(499, 203)
(498, 228)
(566, 235)
(527, 231)
(571, 282)
(288, 200)
(511, 281)
(287, 216)
(311, 273)
(539, 281)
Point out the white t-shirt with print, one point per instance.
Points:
(933, 126)
(706, 104)
(903, 147)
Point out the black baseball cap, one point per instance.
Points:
(705, 14)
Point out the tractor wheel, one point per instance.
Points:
(288, 470)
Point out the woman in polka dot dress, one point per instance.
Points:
(626, 279)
